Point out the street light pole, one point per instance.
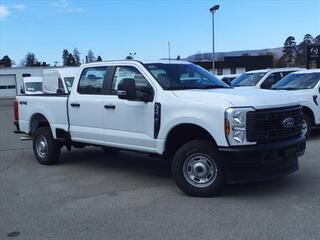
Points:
(213, 10)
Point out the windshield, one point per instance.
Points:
(248, 79)
(183, 76)
(68, 81)
(33, 86)
(298, 81)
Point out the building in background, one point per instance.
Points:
(238, 64)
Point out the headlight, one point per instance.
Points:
(235, 126)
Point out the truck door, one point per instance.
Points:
(86, 106)
(128, 124)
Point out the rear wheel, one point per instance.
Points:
(197, 169)
(306, 125)
(45, 148)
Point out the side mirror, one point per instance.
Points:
(127, 89)
(22, 91)
(145, 94)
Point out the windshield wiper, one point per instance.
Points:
(287, 88)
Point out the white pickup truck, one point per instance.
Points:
(305, 86)
(263, 78)
(176, 110)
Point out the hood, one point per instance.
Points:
(257, 98)
(247, 87)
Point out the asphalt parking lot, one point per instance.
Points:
(92, 195)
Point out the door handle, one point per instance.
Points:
(23, 102)
(110, 106)
(75, 104)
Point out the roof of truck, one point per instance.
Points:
(275, 70)
(317, 70)
(139, 61)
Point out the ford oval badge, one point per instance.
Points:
(288, 122)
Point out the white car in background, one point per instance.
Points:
(58, 80)
(263, 78)
(32, 85)
(305, 86)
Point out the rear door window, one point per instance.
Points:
(91, 80)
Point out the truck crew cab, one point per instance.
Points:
(175, 109)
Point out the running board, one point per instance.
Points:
(25, 138)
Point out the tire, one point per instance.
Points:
(45, 148)
(307, 124)
(110, 150)
(197, 169)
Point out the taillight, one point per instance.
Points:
(16, 110)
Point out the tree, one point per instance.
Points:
(71, 61)
(30, 60)
(178, 57)
(76, 56)
(300, 57)
(289, 49)
(317, 40)
(65, 55)
(5, 61)
(99, 59)
(90, 57)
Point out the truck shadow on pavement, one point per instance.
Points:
(315, 134)
(154, 170)
(122, 161)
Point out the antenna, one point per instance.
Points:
(169, 50)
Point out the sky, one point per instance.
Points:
(113, 28)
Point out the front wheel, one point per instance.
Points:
(197, 169)
(45, 148)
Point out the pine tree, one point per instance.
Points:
(65, 55)
(300, 57)
(76, 56)
(289, 49)
(317, 40)
(71, 61)
(90, 57)
(5, 61)
(30, 60)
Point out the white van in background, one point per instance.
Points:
(32, 85)
(263, 78)
(58, 80)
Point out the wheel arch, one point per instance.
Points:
(183, 133)
(38, 120)
(310, 113)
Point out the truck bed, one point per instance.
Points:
(39, 104)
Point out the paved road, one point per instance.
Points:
(91, 195)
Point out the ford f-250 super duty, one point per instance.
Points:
(212, 132)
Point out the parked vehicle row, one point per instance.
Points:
(263, 78)
(53, 81)
(213, 133)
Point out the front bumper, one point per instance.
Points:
(262, 161)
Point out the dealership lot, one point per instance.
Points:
(128, 196)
